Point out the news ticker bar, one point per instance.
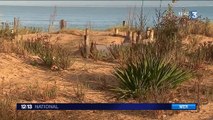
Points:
(106, 106)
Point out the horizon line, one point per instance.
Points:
(101, 6)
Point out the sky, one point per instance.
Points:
(76, 3)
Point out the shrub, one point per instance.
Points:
(62, 57)
(138, 78)
(46, 54)
(204, 53)
(41, 48)
(34, 46)
(167, 32)
(34, 91)
(49, 53)
(172, 29)
(12, 47)
(199, 26)
(7, 34)
(120, 52)
(29, 30)
(134, 52)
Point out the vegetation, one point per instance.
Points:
(29, 30)
(147, 72)
(138, 79)
(203, 53)
(35, 92)
(50, 54)
(6, 33)
(154, 68)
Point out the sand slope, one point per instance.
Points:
(17, 74)
(84, 81)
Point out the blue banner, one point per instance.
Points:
(106, 106)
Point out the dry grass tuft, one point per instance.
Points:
(34, 91)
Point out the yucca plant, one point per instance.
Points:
(138, 78)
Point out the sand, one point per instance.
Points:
(91, 78)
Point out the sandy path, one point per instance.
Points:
(16, 75)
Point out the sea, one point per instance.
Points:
(80, 17)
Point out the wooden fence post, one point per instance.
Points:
(86, 43)
(7, 26)
(133, 37)
(2, 27)
(124, 23)
(116, 31)
(138, 38)
(148, 30)
(86, 31)
(127, 38)
(152, 35)
(62, 24)
(15, 25)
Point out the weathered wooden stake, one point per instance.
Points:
(86, 43)
(148, 30)
(152, 35)
(2, 25)
(138, 38)
(62, 24)
(86, 31)
(133, 37)
(124, 23)
(7, 27)
(128, 38)
(116, 32)
(15, 24)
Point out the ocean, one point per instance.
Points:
(81, 17)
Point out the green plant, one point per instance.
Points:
(46, 54)
(137, 79)
(42, 47)
(51, 54)
(62, 57)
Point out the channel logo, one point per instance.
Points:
(193, 14)
(190, 14)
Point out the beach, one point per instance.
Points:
(91, 56)
(80, 17)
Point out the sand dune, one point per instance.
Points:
(84, 81)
